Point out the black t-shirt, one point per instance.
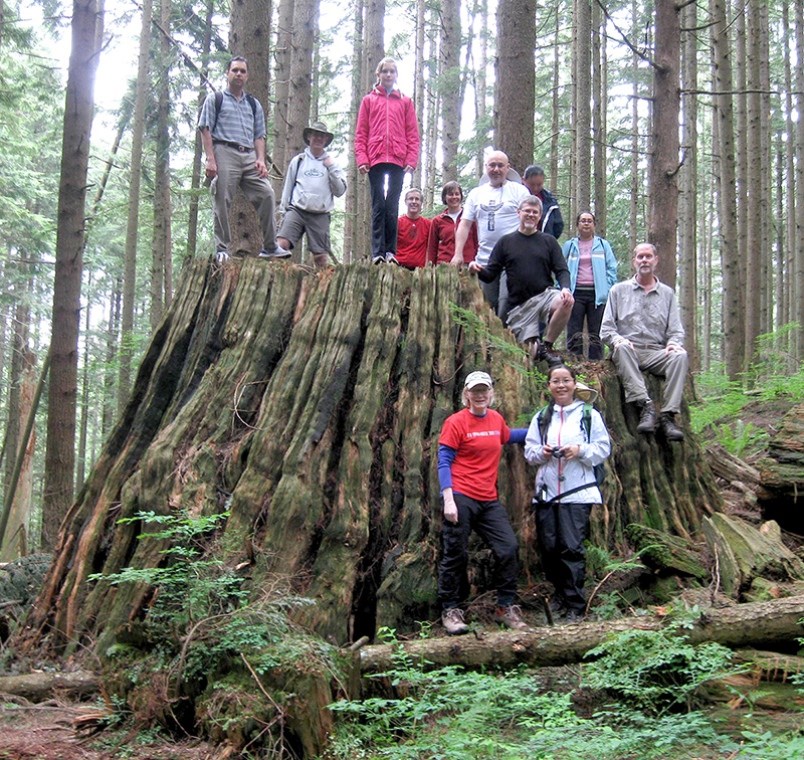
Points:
(532, 263)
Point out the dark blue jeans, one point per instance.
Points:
(384, 207)
(490, 520)
(562, 529)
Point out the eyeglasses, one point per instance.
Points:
(562, 381)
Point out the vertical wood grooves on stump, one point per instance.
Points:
(308, 406)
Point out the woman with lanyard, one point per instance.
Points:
(469, 451)
(566, 447)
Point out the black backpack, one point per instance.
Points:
(543, 417)
(219, 102)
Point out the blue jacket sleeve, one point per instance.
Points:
(446, 456)
(517, 435)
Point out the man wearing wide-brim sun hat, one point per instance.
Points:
(312, 182)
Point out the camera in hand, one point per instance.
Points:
(558, 453)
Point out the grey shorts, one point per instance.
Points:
(297, 222)
(527, 320)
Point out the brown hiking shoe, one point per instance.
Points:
(453, 622)
(510, 617)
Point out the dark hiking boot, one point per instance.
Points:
(573, 616)
(668, 425)
(647, 418)
(453, 622)
(544, 352)
(510, 617)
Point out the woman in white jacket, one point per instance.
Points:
(565, 444)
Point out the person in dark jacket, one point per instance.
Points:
(532, 261)
(552, 223)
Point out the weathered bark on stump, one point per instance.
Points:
(745, 553)
(782, 472)
(309, 405)
(737, 626)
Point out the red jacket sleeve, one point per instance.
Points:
(412, 135)
(361, 133)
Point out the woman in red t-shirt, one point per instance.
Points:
(469, 451)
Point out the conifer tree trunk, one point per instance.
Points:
(515, 96)
(87, 28)
(132, 225)
(664, 163)
(450, 99)
(726, 192)
(582, 69)
(195, 181)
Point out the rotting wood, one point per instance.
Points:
(37, 687)
(762, 623)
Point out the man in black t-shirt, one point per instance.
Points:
(532, 262)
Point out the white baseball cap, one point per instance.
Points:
(473, 379)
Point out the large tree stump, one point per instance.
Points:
(309, 405)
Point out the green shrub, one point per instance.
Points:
(655, 671)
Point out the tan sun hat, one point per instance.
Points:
(585, 393)
(317, 126)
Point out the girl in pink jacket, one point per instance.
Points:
(386, 146)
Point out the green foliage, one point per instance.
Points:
(740, 438)
(203, 604)
(450, 714)
(655, 671)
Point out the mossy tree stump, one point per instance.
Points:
(309, 405)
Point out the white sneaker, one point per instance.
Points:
(453, 622)
(277, 253)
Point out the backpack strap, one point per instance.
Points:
(219, 102)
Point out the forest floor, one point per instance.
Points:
(49, 730)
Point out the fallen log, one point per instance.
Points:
(758, 624)
(37, 687)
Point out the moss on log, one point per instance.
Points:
(308, 406)
(745, 553)
(665, 553)
(742, 625)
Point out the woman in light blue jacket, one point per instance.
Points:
(593, 270)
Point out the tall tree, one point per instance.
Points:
(664, 163)
(515, 95)
(753, 184)
(727, 229)
(449, 86)
(132, 226)
(161, 247)
(688, 212)
(798, 273)
(86, 33)
(195, 180)
(283, 53)
(582, 117)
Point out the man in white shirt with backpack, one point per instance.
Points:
(312, 183)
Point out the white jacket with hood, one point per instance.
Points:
(560, 475)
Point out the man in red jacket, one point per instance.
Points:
(413, 231)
